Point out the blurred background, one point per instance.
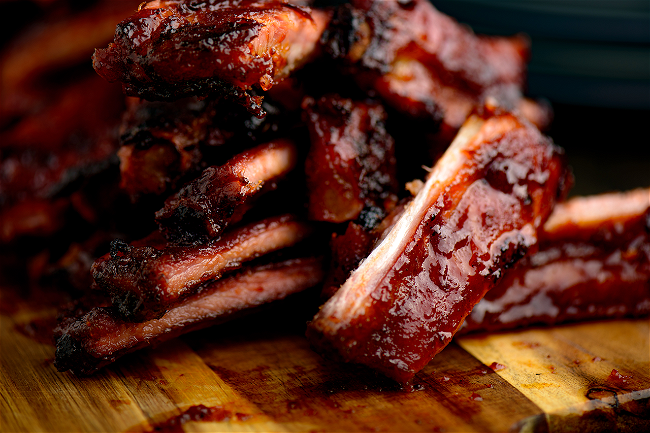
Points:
(591, 60)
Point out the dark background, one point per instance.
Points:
(591, 61)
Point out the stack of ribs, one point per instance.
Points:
(244, 151)
(593, 262)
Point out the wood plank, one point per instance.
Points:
(187, 381)
(259, 374)
(282, 376)
(582, 373)
(36, 398)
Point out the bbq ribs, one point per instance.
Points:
(593, 263)
(477, 214)
(92, 336)
(253, 130)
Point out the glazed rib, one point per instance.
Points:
(175, 48)
(351, 247)
(593, 263)
(166, 144)
(161, 144)
(423, 63)
(146, 279)
(98, 337)
(203, 208)
(608, 218)
(477, 214)
(351, 162)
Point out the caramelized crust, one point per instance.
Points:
(593, 263)
(477, 214)
(175, 48)
(92, 339)
(351, 162)
(149, 277)
(221, 196)
(348, 249)
(166, 144)
(423, 63)
(160, 144)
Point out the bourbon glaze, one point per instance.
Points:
(351, 162)
(423, 63)
(221, 195)
(593, 263)
(146, 280)
(169, 49)
(477, 214)
(98, 337)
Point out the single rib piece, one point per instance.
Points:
(423, 63)
(351, 162)
(476, 215)
(147, 278)
(593, 263)
(98, 337)
(608, 218)
(175, 48)
(221, 196)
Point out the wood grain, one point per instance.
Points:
(599, 369)
(259, 374)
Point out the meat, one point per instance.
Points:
(367, 94)
(593, 263)
(477, 214)
(610, 219)
(167, 144)
(176, 48)
(46, 156)
(65, 113)
(72, 269)
(160, 144)
(219, 197)
(98, 337)
(149, 277)
(423, 63)
(351, 162)
(68, 128)
(33, 217)
(349, 248)
(58, 124)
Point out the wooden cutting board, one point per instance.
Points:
(259, 374)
